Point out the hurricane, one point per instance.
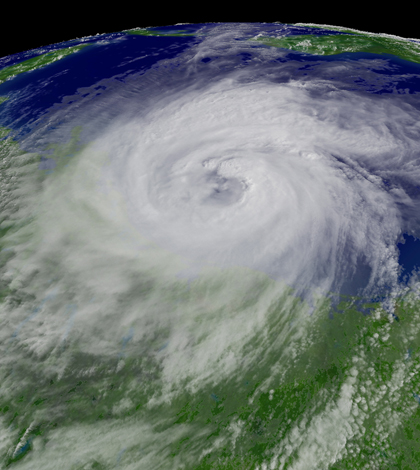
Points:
(204, 250)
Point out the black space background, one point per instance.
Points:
(24, 29)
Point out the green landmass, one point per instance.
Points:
(4, 131)
(61, 154)
(14, 161)
(330, 28)
(270, 402)
(340, 43)
(149, 32)
(37, 62)
(44, 403)
(3, 99)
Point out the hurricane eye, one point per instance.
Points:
(210, 249)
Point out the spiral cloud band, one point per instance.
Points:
(302, 180)
(263, 175)
(184, 234)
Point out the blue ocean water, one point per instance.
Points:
(113, 58)
(116, 56)
(83, 69)
(409, 256)
(118, 385)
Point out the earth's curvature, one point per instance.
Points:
(209, 250)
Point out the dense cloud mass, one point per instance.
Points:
(266, 176)
(297, 177)
(211, 199)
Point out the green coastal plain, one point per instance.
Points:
(324, 44)
(156, 32)
(354, 374)
(327, 44)
(40, 409)
(37, 62)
